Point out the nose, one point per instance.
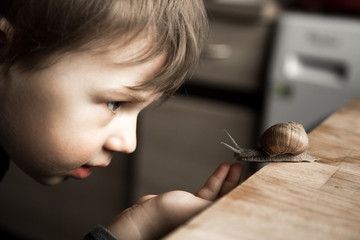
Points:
(122, 137)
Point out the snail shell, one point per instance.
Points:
(283, 142)
(284, 138)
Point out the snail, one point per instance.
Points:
(282, 142)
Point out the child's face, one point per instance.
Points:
(61, 121)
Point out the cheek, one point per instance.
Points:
(76, 146)
(73, 132)
(81, 151)
(60, 144)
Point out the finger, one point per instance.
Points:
(213, 185)
(144, 198)
(232, 179)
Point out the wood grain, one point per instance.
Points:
(319, 200)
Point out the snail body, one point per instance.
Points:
(283, 142)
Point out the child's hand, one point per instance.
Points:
(153, 216)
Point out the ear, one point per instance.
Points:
(6, 32)
(3, 40)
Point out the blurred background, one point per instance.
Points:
(266, 61)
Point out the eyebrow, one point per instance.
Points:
(116, 91)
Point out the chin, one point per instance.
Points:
(51, 181)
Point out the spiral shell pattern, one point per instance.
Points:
(284, 138)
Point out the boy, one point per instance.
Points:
(75, 74)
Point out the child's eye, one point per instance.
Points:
(113, 106)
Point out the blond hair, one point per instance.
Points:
(42, 29)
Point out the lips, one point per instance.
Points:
(85, 170)
(81, 172)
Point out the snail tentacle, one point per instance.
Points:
(232, 139)
(235, 149)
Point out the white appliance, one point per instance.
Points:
(314, 68)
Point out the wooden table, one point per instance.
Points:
(319, 200)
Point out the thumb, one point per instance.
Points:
(157, 216)
(144, 198)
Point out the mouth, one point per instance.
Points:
(81, 172)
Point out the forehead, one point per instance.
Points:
(129, 49)
(136, 56)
